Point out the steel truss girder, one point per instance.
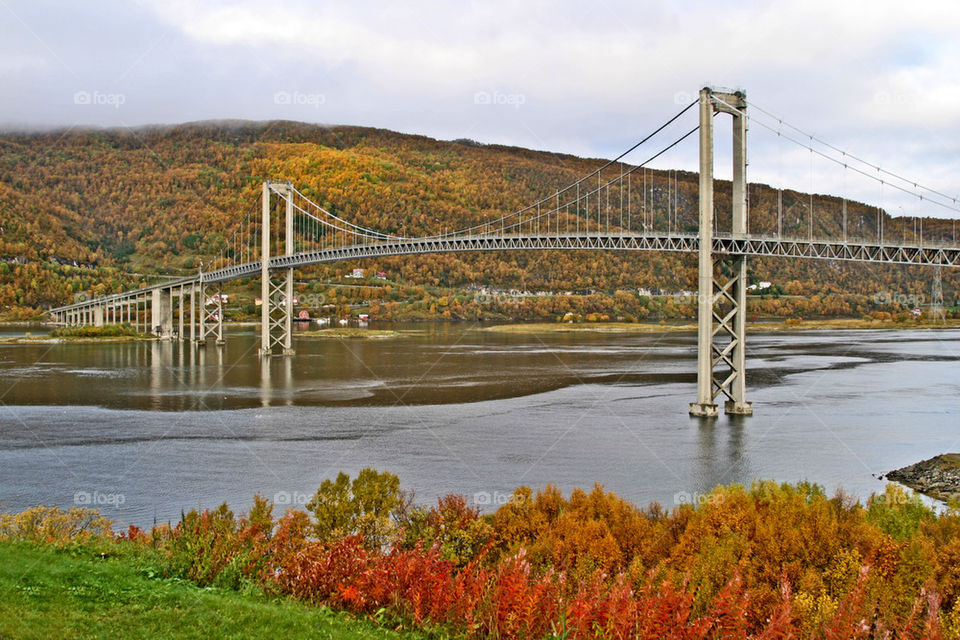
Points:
(722, 244)
(683, 243)
(828, 250)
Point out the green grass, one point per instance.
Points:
(50, 593)
(950, 461)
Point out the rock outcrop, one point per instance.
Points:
(938, 477)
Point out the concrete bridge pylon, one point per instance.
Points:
(722, 304)
(276, 294)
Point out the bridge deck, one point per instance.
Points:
(723, 244)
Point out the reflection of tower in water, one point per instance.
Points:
(269, 388)
(181, 378)
(720, 463)
(936, 297)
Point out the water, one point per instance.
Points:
(145, 430)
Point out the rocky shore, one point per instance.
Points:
(938, 477)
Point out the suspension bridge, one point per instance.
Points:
(610, 209)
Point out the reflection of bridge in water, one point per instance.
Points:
(606, 210)
(204, 369)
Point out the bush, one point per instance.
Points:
(213, 547)
(363, 507)
(52, 525)
(769, 561)
(104, 331)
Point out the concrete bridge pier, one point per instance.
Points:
(193, 315)
(180, 311)
(722, 305)
(161, 313)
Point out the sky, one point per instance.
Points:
(878, 79)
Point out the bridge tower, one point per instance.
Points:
(722, 303)
(276, 312)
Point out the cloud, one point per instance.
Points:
(586, 78)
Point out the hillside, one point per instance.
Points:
(93, 210)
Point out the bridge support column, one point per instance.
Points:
(193, 314)
(98, 316)
(276, 312)
(170, 306)
(202, 311)
(180, 332)
(722, 305)
(161, 312)
(289, 249)
(704, 406)
(211, 313)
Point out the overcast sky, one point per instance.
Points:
(879, 79)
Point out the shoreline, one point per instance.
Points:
(532, 326)
(761, 325)
(937, 477)
(77, 340)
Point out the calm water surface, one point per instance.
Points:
(150, 429)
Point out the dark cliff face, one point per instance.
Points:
(938, 477)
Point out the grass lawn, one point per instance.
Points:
(49, 593)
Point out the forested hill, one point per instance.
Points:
(91, 210)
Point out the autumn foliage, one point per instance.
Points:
(89, 212)
(773, 561)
